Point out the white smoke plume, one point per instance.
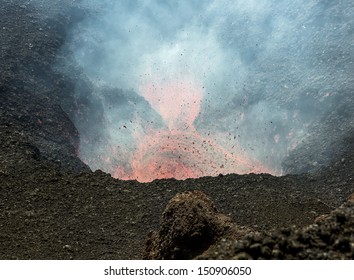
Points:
(268, 69)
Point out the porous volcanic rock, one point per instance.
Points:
(329, 238)
(190, 224)
(53, 207)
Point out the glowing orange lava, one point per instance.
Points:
(178, 103)
(180, 151)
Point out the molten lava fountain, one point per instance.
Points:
(180, 151)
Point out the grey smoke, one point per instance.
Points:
(269, 68)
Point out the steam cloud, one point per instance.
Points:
(265, 71)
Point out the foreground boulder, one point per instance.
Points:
(190, 225)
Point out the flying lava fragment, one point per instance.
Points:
(179, 151)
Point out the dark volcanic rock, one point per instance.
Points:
(190, 224)
(31, 92)
(49, 211)
(329, 238)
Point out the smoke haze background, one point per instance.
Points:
(269, 70)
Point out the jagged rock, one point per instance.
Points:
(330, 238)
(190, 224)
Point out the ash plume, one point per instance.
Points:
(268, 74)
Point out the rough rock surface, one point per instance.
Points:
(329, 238)
(53, 207)
(190, 225)
(31, 92)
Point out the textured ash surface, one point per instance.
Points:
(190, 225)
(329, 238)
(53, 207)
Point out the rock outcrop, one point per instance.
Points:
(190, 225)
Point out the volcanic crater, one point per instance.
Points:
(52, 206)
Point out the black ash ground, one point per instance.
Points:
(53, 207)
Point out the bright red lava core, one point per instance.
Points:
(180, 151)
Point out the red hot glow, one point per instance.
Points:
(180, 151)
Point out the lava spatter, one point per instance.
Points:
(180, 151)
